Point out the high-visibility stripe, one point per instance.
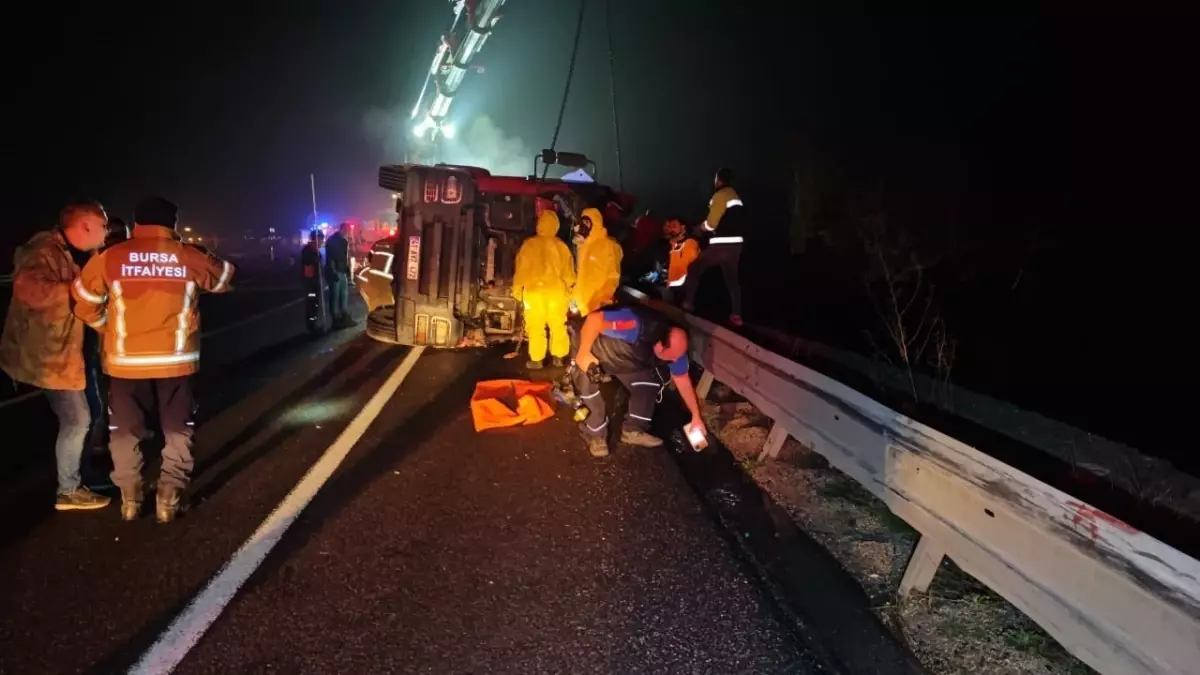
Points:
(226, 271)
(98, 324)
(387, 268)
(640, 417)
(120, 304)
(599, 427)
(84, 294)
(185, 315)
(591, 395)
(728, 204)
(725, 240)
(156, 360)
(643, 384)
(679, 281)
(380, 273)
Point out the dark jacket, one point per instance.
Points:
(337, 255)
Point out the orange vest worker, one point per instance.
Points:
(683, 253)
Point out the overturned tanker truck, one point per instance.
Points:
(445, 278)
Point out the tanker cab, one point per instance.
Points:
(443, 278)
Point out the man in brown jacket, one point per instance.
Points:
(142, 293)
(42, 343)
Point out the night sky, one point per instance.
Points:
(226, 111)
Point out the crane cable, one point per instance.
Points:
(612, 85)
(562, 110)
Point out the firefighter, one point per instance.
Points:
(142, 293)
(542, 281)
(599, 264)
(629, 343)
(723, 228)
(684, 251)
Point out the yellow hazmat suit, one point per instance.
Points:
(542, 281)
(599, 258)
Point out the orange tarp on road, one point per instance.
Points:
(509, 403)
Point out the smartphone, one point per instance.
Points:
(696, 437)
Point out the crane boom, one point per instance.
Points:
(472, 25)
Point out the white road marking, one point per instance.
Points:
(187, 628)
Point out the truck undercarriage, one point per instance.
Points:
(445, 279)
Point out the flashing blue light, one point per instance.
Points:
(324, 226)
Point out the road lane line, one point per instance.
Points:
(187, 628)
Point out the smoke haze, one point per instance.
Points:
(479, 143)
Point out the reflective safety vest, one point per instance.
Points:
(683, 253)
(141, 295)
(725, 217)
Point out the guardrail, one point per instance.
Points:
(1118, 599)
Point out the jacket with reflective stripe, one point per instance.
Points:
(141, 294)
(725, 217)
(683, 254)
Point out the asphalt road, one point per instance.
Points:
(432, 549)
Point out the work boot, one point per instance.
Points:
(166, 503)
(640, 438)
(131, 504)
(597, 446)
(80, 499)
(556, 362)
(533, 365)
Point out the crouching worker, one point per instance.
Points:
(630, 343)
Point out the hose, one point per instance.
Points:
(562, 110)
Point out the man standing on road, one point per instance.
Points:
(724, 229)
(143, 294)
(630, 343)
(337, 269)
(43, 342)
